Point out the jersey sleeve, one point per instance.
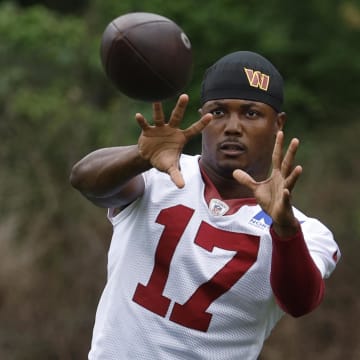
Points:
(299, 265)
(112, 213)
(322, 247)
(295, 279)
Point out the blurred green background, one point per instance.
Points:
(56, 105)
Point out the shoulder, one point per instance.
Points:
(189, 166)
(320, 242)
(312, 225)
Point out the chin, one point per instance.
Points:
(226, 169)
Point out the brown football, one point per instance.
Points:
(147, 56)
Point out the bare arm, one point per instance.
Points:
(110, 177)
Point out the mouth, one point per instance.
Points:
(232, 148)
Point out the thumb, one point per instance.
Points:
(244, 179)
(176, 177)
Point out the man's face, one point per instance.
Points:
(241, 136)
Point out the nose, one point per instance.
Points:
(233, 124)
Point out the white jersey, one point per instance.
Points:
(187, 283)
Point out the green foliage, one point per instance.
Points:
(311, 42)
(56, 105)
(53, 93)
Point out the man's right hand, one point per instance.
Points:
(162, 143)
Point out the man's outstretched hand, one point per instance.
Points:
(162, 143)
(273, 194)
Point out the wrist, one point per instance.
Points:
(141, 161)
(286, 231)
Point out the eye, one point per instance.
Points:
(217, 113)
(252, 114)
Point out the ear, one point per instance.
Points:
(280, 120)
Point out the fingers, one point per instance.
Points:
(244, 179)
(288, 162)
(179, 111)
(198, 126)
(158, 114)
(277, 152)
(293, 178)
(141, 121)
(284, 164)
(176, 115)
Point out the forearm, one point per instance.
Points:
(296, 282)
(104, 172)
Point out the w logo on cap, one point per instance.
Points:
(257, 79)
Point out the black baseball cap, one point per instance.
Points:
(243, 75)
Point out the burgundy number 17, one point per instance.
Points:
(192, 313)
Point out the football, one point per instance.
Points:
(147, 56)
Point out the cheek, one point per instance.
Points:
(207, 136)
(263, 142)
(205, 142)
(267, 150)
(208, 142)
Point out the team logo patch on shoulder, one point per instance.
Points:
(261, 220)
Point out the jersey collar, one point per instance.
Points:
(218, 205)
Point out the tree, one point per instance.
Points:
(56, 105)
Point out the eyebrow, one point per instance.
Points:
(246, 104)
(216, 103)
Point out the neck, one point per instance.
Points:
(227, 186)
